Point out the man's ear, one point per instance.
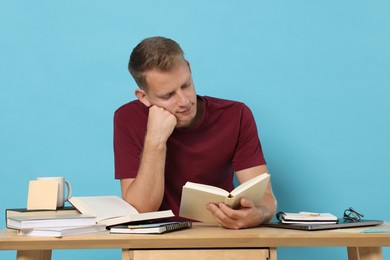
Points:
(141, 95)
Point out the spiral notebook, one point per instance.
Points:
(153, 228)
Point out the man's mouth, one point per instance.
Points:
(185, 111)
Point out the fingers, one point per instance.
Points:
(245, 203)
(161, 123)
(247, 216)
(156, 113)
(225, 216)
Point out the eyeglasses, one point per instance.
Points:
(352, 215)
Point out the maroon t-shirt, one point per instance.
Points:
(225, 140)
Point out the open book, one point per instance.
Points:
(112, 210)
(196, 196)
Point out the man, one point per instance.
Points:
(170, 135)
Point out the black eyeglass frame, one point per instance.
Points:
(352, 215)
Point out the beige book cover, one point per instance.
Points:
(195, 197)
(112, 210)
(42, 195)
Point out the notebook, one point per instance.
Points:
(340, 224)
(152, 228)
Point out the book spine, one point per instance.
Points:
(230, 201)
(178, 226)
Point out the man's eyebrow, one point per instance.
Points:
(185, 83)
(188, 80)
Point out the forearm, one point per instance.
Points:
(146, 192)
(268, 207)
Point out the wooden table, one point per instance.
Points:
(205, 241)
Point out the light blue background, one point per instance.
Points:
(315, 74)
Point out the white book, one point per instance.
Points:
(61, 231)
(50, 220)
(196, 196)
(306, 218)
(112, 210)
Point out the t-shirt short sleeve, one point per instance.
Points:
(248, 152)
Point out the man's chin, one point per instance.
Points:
(186, 121)
(182, 125)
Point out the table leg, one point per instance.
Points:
(33, 255)
(272, 253)
(365, 253)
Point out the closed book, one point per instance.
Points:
(22, 222)
(196, 196)
(306, 218)
(69, 210)
(112, 210)
(153, 228)
(61, 231)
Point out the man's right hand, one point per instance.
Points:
(161, 124)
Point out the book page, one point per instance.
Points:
(249, 183)
(252, 189)
(193, 204)
(206, 188)
(103, 207)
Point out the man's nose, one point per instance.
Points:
(182, 99)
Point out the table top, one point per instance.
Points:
(204, 236)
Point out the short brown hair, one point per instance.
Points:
(153, 53)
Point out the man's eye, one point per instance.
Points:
(167, 96)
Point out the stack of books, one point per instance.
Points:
(86, 215)
(57, 223)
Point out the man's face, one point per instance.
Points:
(174, 91)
